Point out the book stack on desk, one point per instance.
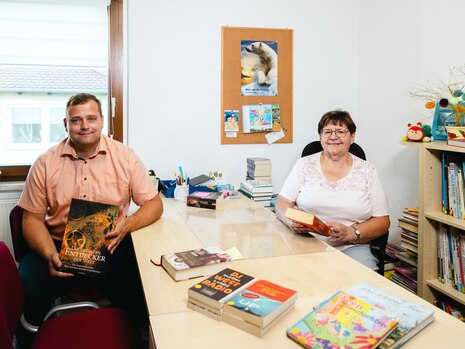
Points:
(259, 169)
(209, 295)
(257, 190)
(259, 306)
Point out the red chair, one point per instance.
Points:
(96, 328)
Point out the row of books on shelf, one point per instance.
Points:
(360, 317)
(453, 184)
(451, 256)
(259, 169)
(451, 307)
(396, 253)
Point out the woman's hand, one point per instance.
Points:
(342, 234)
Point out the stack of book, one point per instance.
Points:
(209, 295)
(406, 277)
(259, 168)
(409, 233)
(259, 306)
(241, 300)
(257, 190)
(361, 317)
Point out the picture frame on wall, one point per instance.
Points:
(442, 117)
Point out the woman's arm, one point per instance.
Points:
(280, 209)
(369, 230)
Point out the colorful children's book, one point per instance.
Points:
(412, 317)
(261, 302)
(343, 321)
(309, 220)
(84, 247)
(194, 263)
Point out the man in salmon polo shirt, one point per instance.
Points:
(86, 165)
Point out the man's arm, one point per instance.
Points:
(40, 241)
(148, 213)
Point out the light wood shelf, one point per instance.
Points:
(430, 216)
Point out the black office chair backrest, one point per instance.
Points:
(378, 245)
(315, 147)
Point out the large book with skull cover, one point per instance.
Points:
(84, 247)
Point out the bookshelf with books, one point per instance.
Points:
(431, 216)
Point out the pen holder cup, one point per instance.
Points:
(181, 192)
(168, 188)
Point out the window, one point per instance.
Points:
(43, 64)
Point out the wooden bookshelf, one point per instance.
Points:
(430, 216)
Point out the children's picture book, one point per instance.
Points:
(84, 247)
(260, 302)
(412, 317)
(343, 321)
(220, 287)
(204, 199)
(258, 117)
(309, 220)
(194, 263)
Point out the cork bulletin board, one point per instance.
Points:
(244, 86)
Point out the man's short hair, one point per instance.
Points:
(82, 98)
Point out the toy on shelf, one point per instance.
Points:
(418, 133)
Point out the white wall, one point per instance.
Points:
(174, 67)
(359, 55)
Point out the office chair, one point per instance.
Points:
(95, 328)
(378, 245)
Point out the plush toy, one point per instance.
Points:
(418, 133)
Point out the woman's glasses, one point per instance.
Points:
(340, 133)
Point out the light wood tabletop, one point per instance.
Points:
(271, 251)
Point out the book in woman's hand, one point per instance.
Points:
(309, 220)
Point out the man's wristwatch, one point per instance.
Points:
(357, 232)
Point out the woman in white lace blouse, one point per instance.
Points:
(340, 188)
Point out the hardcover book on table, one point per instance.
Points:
(261, 302)
(217, 289)
(194, 263)
(343, 321)
(204, 199)
(84, 247)
(309, 220)
(412, 317)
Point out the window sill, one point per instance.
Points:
(11, 186)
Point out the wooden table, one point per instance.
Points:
(271, 251)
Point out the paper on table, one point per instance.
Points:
(234, 253)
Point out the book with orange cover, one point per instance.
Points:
(309, 220)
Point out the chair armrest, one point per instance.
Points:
(71, 306)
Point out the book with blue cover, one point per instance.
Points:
(261, 302)
(412, 317)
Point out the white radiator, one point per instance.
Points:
(7, 202)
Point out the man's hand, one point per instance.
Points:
(54, 265)
(116, 235)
